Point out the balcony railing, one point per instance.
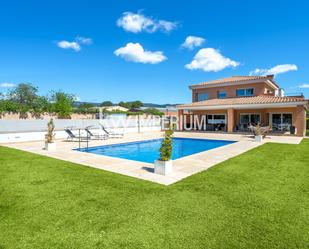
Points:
(296, 94)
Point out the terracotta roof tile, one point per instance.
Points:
(234, 79)
(245, 101)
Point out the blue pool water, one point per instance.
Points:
(148, 151)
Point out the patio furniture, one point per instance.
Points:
(243, 127)
(262, 130)
(252, 129)
(96, 135)
(219, 127)
(281, 127)
(111, 134)
(265, 130)
(72, 137)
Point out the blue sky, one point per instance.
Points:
(141, 57)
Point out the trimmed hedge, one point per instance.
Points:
(307, 123)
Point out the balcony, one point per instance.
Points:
(296, 94)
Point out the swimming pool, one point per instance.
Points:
(148, 150)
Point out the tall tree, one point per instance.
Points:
(136, 104)
(41, 105)
(25, 94)
(125, 104)
(86, 108)
(131, 105)
(106, 103)
(62, 104)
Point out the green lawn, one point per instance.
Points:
(257, 200)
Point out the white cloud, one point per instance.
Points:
(165, 25)
(75, 45)
(192, 42)
(137, 22)
(210, 60)
(69, 45)
(303, 86)
(136, 53)
(83, 40)
(7, 85)
(275, 70)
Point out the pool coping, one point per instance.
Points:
(83, 149)
(183, 167)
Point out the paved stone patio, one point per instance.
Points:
(183, 167)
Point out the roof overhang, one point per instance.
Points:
(246, 82)
(245, 106)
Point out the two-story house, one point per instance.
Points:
(232, 104)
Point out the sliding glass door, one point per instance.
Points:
(216, 122)
(281, 121)
(248, 118)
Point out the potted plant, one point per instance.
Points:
(258, 134)
(50, 143)
(164, 165)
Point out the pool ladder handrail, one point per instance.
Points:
(80, 140)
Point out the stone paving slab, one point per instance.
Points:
(183, 167)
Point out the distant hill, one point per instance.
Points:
(148, 105)
(158, 105)
(78, 103)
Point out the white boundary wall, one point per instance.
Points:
(30, 130)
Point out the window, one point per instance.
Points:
(202, 96)
(249, 92)
(216, 119)
(219, 119)
(255, 119)
(244, 118)
(209, 119)
(221, 94)
(215, 122)
(281, 121)
(244, 92)
(250, 118)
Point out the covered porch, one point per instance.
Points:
(282, 120)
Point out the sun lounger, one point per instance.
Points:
(96, 135)
(111, 134)
(73, 137)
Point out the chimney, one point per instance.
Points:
(270, 76)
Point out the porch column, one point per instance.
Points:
(180, 120)
(230, 120)
(300, 120)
